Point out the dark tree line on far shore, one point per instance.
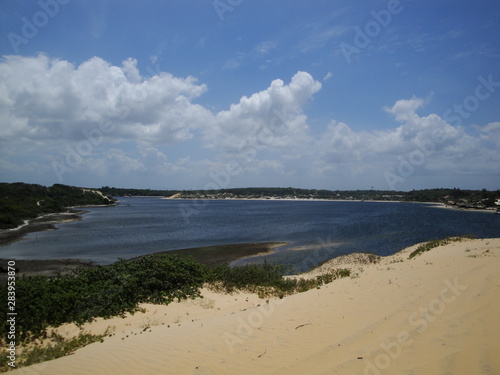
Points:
(473, 198)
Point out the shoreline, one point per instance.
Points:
(212, 255)
(226, 253)
(287, 200)
(44, 222)
(38, 224)
(207, 255)
(435, 204)
(451, 207)
(44, 267)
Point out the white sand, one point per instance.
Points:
(436, 314)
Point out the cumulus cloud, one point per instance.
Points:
(51, 99)
(125, 126)
(271, 119)
(404, 110)
(491, 133)
(420, 146)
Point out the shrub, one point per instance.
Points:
(435, 243)
(107, 291)
(248, 277)
(102, 291)
(266, 280)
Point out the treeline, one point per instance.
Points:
(122, 192)
(21, 201)
(486, 197)
(473, 198)
(476, 198)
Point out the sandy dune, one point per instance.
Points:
(438, 313)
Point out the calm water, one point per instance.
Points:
(317, 230)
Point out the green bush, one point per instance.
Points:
(248, 277)
(107, 291)
(435, 243)
(266, 279)
(102, 291)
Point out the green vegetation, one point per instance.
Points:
(265, 280)
(463, 198)
(466, 198)
(101, 291)
(20, 201)
(107, 291)
(220, 254)
(120, 192)
(436, 243)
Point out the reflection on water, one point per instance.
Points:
(316, 246)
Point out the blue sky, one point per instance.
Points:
(231, 93)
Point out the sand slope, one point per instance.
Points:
(436, 314)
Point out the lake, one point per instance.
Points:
(316, 230)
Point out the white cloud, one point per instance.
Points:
(491, 133)
(270, 119)
(130, 70)
(114, 162)
(265, 47)
(404, 110)
(327, 76)
(43, 98)
(428, 143)
(48, 107)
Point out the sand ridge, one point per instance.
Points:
(435, 314)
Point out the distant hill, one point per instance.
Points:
(122, 192)
(463, 198)
(479, 199)
(20, 201)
